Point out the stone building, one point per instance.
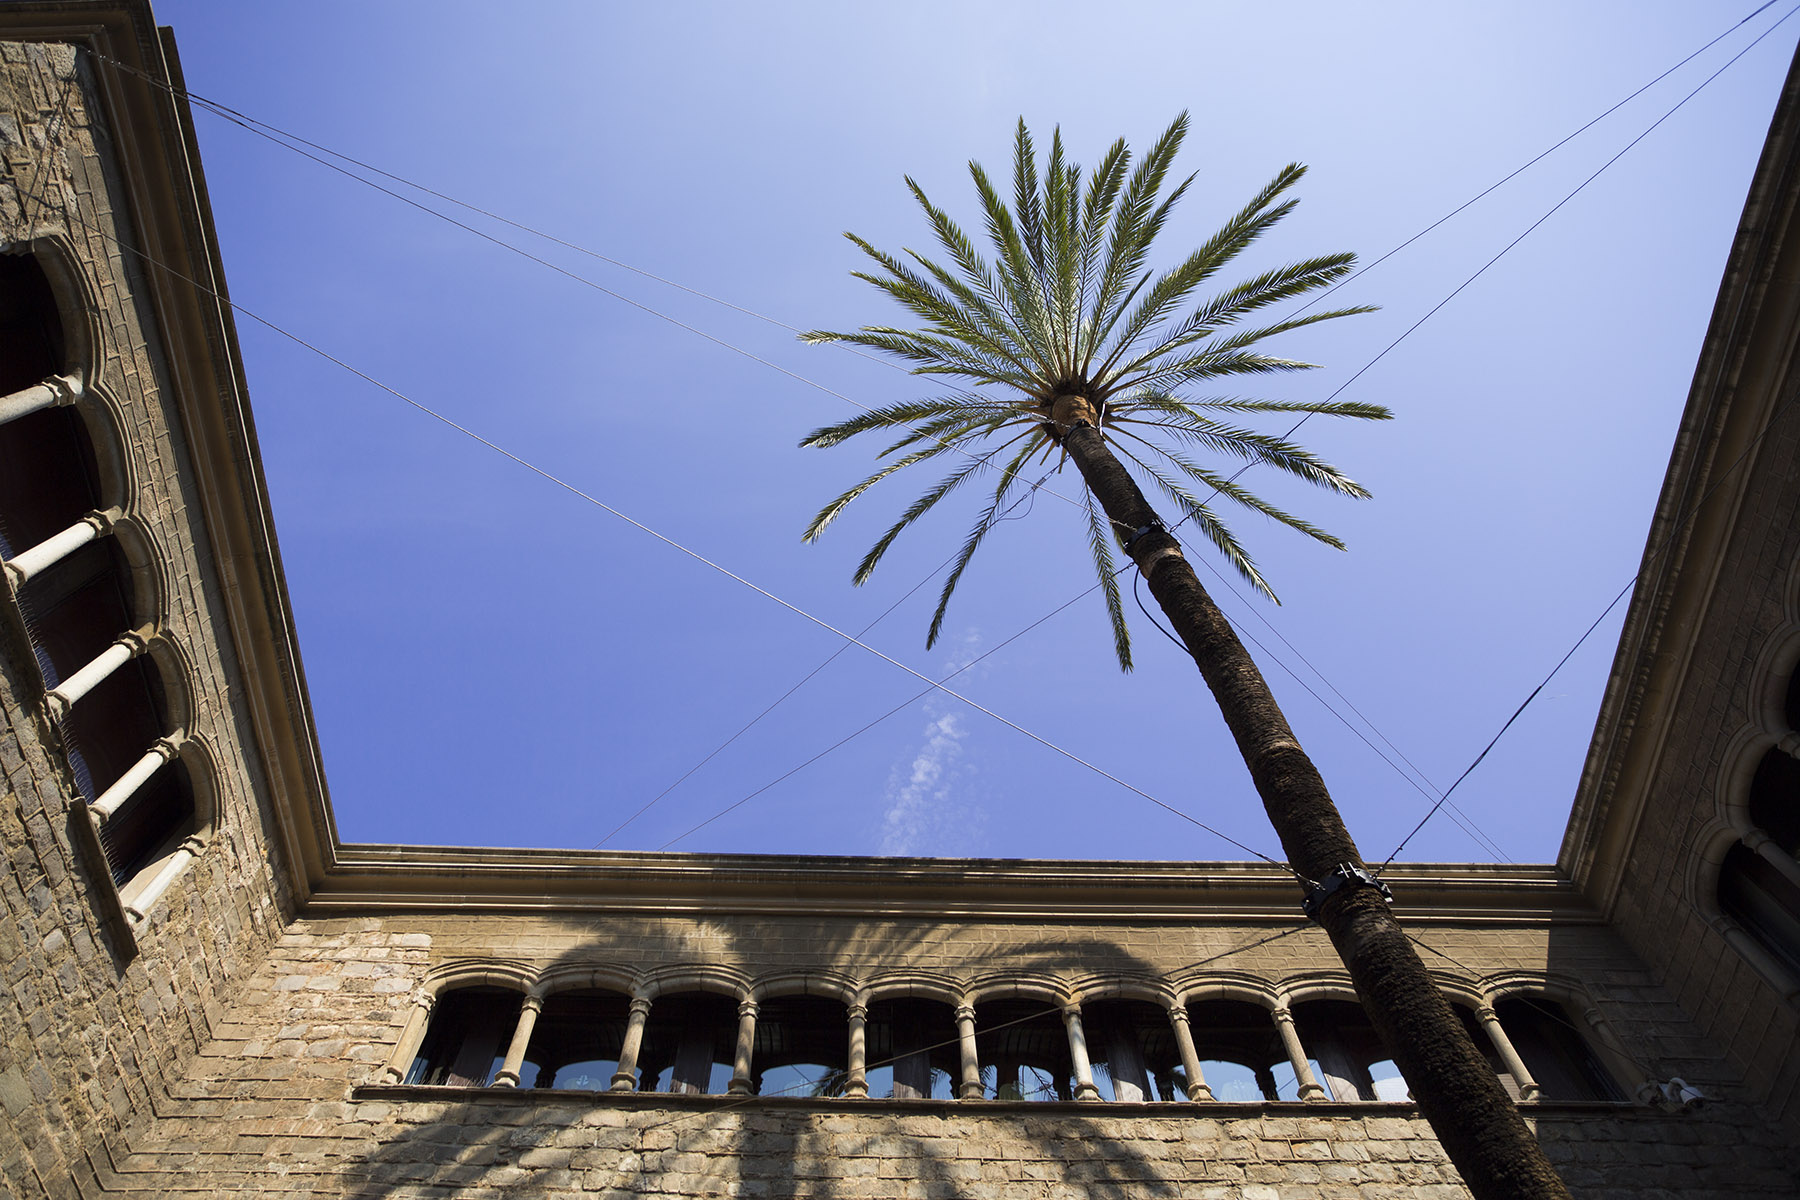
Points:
(206, 992)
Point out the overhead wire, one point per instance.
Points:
(253, 125)
(641, 526)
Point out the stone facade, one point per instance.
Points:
(239, 1016)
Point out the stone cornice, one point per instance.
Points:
(413, 878)
(165, 203)
(1746, 369)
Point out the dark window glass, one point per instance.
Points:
(1775, 799)
(576, 1041)
(1023, 1048)
(913, 1049)
(1241, 1055)
(802, 1047)
(1763, 900)
(1555, 1052)
(470, 1029)
(31, 341)
(1132, 1048)
(1347, 1053)
(689, 1041)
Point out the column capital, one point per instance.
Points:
(1282, 1014)
(1486, 1012)
(965, 1012)
(857, 1012)
(104, 519)
(748, 1008)
(640, 1006)
(66, 389)
(533, 1002)
(194, 844)
(425, 1000)
(1071, 1012)
(1178, 1013)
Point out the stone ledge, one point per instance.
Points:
(837, 1106)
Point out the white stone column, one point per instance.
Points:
(57, 547)
(1790, 744)
(1624, 1068)
(746, 1046)
(1770, 851)
(1772, 968)
(1515, 1066)
(146, 899)
(407, 1048)
(508, 1074)
(125, 786)
(625, 1078)
(970, 1086)
(58, 389)
(1078, 1054)
(62, 698)
(856, 1083)
(1197, 1088)
(1290, 1040)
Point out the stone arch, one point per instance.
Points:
(1030, 986)
(1228, 986)
(575, 976)
(695, 977)
(202, 762)
(1317, 985)
(831, 985)
(913, 985)
(1119, 986)
(75, 300)
(477, 972)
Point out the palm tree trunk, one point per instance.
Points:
(1458, 1093)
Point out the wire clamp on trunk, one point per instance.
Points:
(1346, 875)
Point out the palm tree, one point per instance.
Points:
(1093, 354)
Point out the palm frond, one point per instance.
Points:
(1058, 293)
(1100, 543)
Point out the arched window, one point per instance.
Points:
(1351, 1063)
(1555, 1051)
(1023, 1048)
(73, 589)
(1132, 1048)
(912, 1049)
(802, 1047)
(1241, 1053)
(576, 1041)
(1759, 881)
(466, 1044)
(689, 1040)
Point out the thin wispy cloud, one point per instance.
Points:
(929, 806)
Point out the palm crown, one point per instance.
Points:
(1068, 307)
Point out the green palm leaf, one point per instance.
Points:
(1062, 298)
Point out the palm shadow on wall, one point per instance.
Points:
(651, 1144)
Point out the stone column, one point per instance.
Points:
(1770, 851)
(58, 389)
(1078, 1054)
(1624, 1068)
(970, 1086)
(1515, 1066)
(407, 1048)
(1790, 744)
(123, 788)
(625, 1078)
(746, 1045)
(1197, 1088)
(1290, 1040)
(856, 1083)
(62, 698)
(1752, 951)
(146, 899)
(57, 547)
(508, 1074)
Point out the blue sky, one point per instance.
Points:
(493, 661)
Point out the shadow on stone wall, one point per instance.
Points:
(475, 1140)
